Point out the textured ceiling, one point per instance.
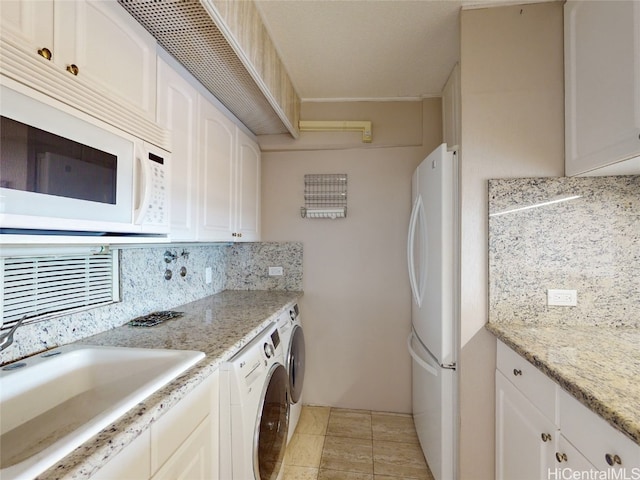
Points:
(366, 49)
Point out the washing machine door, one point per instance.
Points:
(295, 361)
(273, 424)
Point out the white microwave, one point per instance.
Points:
(64, 172)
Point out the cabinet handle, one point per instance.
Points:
(561, 457)
(73, 69)
(546, 437)
(613, 459)
(45, 53)
(517, 371)
(234, 234)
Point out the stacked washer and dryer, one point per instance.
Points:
(260, 401)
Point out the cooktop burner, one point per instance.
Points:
(154, 318)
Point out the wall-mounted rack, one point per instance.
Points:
(325, 196)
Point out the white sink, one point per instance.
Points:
(61, 398)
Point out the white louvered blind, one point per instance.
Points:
(54, 285)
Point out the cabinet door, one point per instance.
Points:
(177, 112)
(525, 439)
(131, 463)
(247, 226)
(569, 457)
(214, 417)
(111, 50)
(217, 150)
(192, 460)
(28, 23)
(596, 439)
(602, 83)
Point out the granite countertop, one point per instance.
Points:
(599, 366)
(219, 326)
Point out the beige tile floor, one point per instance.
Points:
(339, 444)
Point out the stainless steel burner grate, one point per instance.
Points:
(154, 318)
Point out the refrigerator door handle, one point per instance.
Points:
(417, 217)
(429, 368)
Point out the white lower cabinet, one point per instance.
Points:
(182, 444)
(542, 432)
(602, 445)
(569, 459)
(192, 459)
(132, 463)
(525, 439)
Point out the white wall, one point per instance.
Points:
(512, 126)
(356, 308)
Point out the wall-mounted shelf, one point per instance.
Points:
(325, 196)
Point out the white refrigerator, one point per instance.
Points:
(432, 254)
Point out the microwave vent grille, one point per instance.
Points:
(47, 286)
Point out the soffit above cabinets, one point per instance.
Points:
(226, 47)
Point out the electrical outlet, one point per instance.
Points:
(208, 276)
(562, 298)
(275, 271)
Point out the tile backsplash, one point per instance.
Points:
(578, 234)
(143, 288)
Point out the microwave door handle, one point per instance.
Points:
(142, 188)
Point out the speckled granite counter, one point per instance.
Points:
(598, 366)
(219, 325)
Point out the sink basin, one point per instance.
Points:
(59, 399)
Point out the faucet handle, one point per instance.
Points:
(7, 338)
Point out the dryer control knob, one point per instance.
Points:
(269, 350)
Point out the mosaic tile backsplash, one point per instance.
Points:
(565, 233)
(143, 288)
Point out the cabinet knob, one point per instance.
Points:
(73, 69)
(517, 371)
(234, 234)
(45, 53)
(561, 457)
(546, 437)
(613, 459)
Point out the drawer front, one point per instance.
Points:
(534, 384)
(594, 437)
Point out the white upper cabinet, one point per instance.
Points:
(217, 144)
(229, 179)
(96, 41)
(215, 186)
(178, 113)
(247, 224)
(602, 85)
(30, 23)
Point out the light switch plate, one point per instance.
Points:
(562, 298)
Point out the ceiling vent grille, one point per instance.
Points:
(186, 30)
(41, 287)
